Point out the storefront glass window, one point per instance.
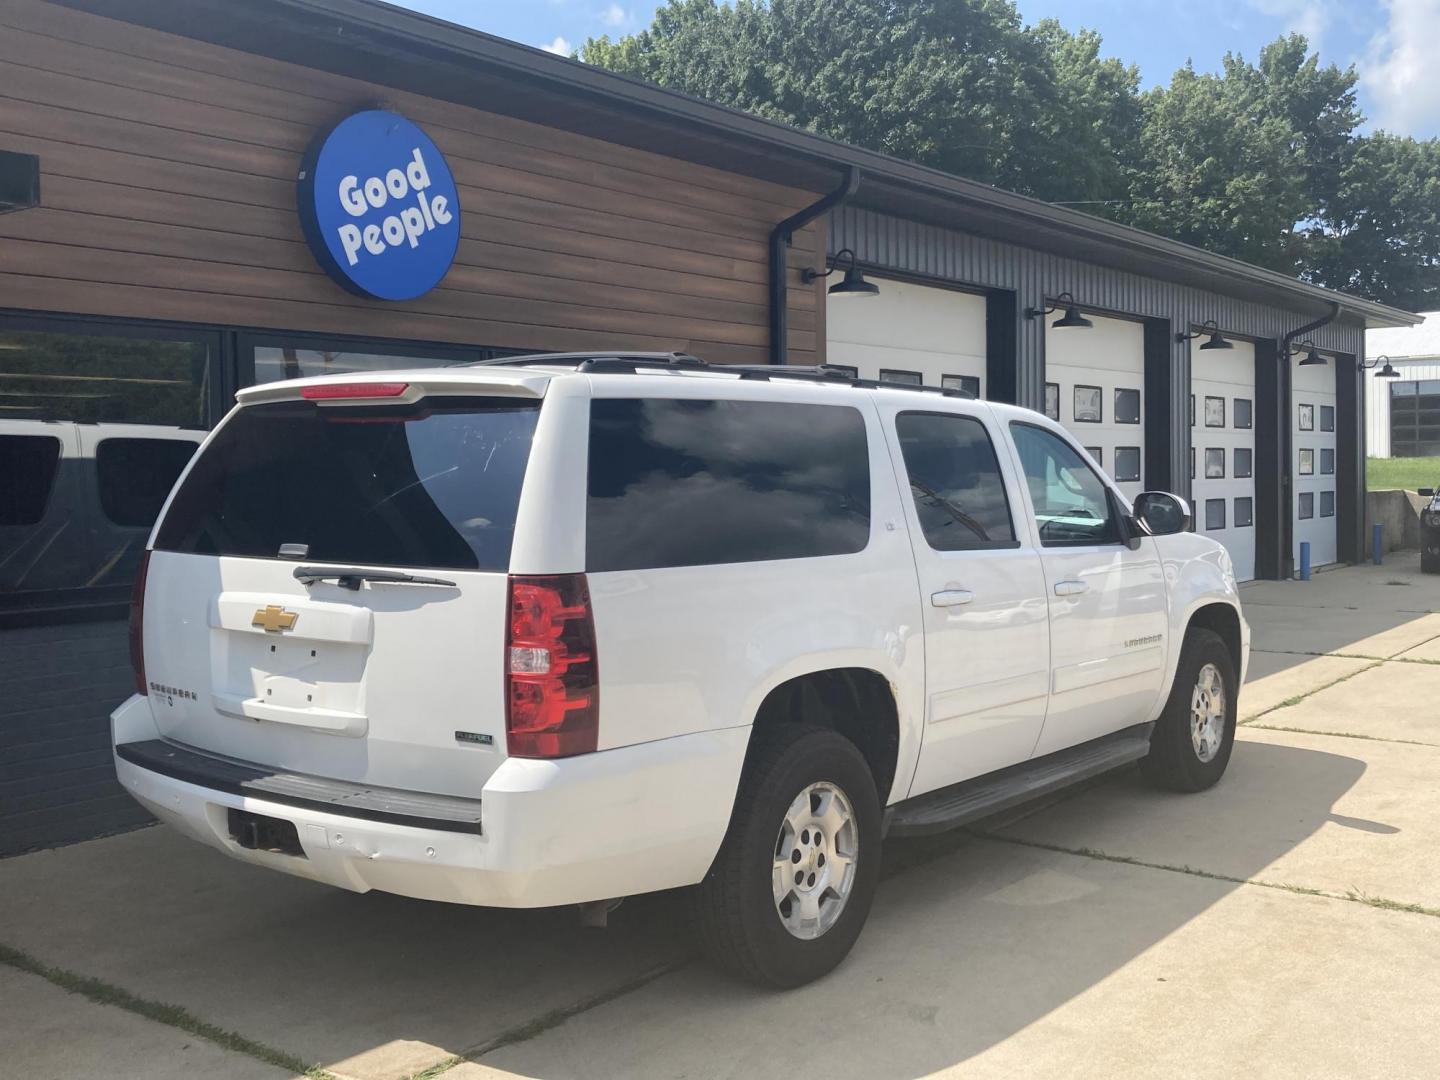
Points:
(94, 428)
(274, 362)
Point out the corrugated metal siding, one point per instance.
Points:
(57, 780)
(912, 248)
(1377, 402)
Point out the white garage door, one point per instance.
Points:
(1312, 417)
(909, 333)
(1222, 449)
(1094, 385)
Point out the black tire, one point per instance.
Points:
(740, 928)
(1174, 763)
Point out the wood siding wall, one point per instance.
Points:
(168, 192)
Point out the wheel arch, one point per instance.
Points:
(858, 702)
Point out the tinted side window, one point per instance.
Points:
(687, 483)
(955, 481)
(28, 464)
(1072, 505)
(135, 476)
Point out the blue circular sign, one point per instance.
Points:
(379, 206)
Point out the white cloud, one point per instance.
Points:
(560, 47)
(614, 15)
(1309, 17)
(1398, 70)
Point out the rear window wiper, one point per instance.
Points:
(351, 577)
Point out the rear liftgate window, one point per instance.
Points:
(435, 484)
(691, 483)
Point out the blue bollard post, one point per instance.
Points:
(1377, 541)
(1304, 560)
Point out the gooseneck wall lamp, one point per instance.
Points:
(1386, 372)
(1072, 316)
(1210, 330)
(1312, 355)
(854, 283)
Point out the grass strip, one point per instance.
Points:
(1293, 701)
(104, 993)
(1339, 734)
(1353, 896)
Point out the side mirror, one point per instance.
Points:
(1428, 493)
(1161, 513)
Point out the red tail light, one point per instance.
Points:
(552, 680)
(332, 391)
(137, 626)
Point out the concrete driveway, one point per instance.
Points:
(1286, 923)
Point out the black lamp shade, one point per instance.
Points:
(1216, 342)
(1072, 317)
(1312, 359)
(1387, 372)
(854, 285)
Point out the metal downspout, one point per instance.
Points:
(780, 238)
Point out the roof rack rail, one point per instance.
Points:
(826, 373)
(628, 363)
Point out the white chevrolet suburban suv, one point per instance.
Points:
(565, 629)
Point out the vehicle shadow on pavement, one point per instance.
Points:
(972, 939)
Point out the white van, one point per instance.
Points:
(564, 629)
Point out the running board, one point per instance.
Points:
(960, 804)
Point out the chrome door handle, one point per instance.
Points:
(951, 597)
(1071, 588)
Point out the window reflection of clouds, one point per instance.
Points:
(677, 482)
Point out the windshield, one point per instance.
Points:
(435, 484)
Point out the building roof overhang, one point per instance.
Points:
(378, 42)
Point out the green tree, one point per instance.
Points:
(957, 84)
(1380, 234)
(1239, 161)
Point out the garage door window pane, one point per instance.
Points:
(1244, 512)
(1243, 457)
(1307, 417)
(969, 384)
(1307, 504)
(904, 378)
(1089, 408)
(1327, 504)
(29, 465)
(955, 482)
(135, 476)
(1127, 406)
(1098, 453)
(1214, 514)
(683, 482)
(1215, 463)
(1327, 417)
(1327, 461)
(1052, 400)
(1243, 411)
(1307, 462)
(1127, 464)
(1214, 412)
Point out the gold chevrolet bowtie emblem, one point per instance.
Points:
(275, 619)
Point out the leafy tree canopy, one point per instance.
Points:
(1260, 161)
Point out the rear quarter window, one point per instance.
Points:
(435, 484)
(681, 482)
(135, 476)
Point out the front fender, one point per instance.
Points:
(1198, 572)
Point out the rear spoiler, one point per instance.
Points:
(489, 382)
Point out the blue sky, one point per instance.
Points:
(1389, 41)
